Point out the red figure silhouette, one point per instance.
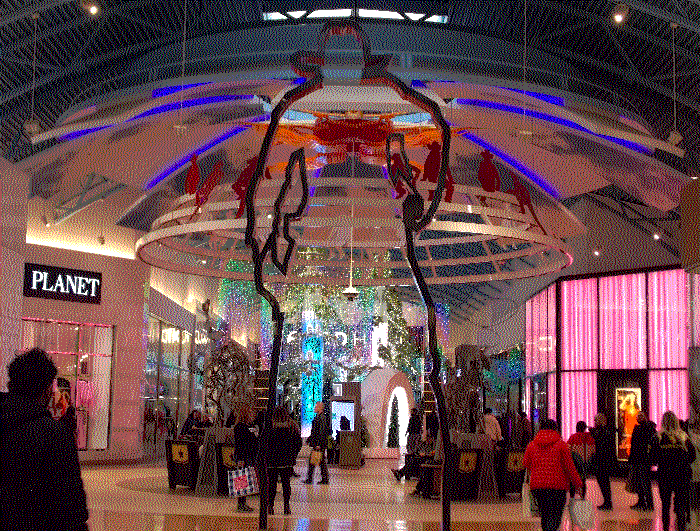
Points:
(488, 174)
(202, 195)
(397, 171)
(431, 170)
(240, 185)
(522, 194)
(192, 181)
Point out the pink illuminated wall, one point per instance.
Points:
(552, 395)
(579, 391)
(668, 390)
(540, 332)
(668, 315)
(579, 324)
(527, 383)
(623, 326)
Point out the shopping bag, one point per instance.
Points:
(581, 513)
(316, 457)
(530, 509)
(243, 482)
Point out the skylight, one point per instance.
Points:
(441, 19)
(330, 13)
(274, 15)
(296, 14)
(374, 13)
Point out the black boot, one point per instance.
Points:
(287, 510)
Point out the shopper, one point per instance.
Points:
(490, 426)
(522, 431)
(424, 487)
(318, 441)
(411, 469)
(297, 429)
(552, 471)
(190, 423)
(640, 463)
(603, 460)
(673, 452)
(415, 429)
(40, 483)
(582, 446)
(432, 424)
(246, 444)
(284, 444)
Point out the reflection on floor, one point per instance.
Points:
(138, 499)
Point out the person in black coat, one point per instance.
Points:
(640, 462)
(318, 441)
(40, 483)
(603, 460)
(285, 443)
(246, 447)
(673, 452)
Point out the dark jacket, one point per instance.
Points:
(246, 443)
(641, 442)
(40, 483)
(285, 443)
(415, 426)
(673, 458)
(319, 432)
(604, 458)
(70, 421)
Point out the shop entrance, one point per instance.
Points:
(621, 395)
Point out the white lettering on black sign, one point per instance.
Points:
(60, 283)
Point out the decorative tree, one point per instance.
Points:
(393, 439)
(402, 353)
(229, 380)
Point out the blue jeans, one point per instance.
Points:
(550, 503)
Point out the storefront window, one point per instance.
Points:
(83, 356)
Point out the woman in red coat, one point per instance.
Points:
(552, 471)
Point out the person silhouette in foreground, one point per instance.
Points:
(318, 441)
(40, 483)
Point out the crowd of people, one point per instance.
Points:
(29, 435)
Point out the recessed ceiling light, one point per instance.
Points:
(619, 14)
(269, 216)
(525, 132)
(92, 8)
(656, 236)
(596, 253)
(693, 177)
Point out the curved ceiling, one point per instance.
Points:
(573, 46)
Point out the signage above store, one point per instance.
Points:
(59, 283)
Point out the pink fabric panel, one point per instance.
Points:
(668, 315)
(623, 326)
(579, 319)
(552, 395)
(540, 339)
(552, 327)
(528, 337)
(668, 391)
(579, 400)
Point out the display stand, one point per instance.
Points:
(350, 450)
(183, 463)
(468, 473)
(225, 462)
(511, 471)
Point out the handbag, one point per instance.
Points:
(581, 513)
(530, 509)
(243, 482)
(315, 458)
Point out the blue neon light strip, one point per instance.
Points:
(203, 149)
(166, 91)
(548, 98)
(514, 163)
(163, 109)
(634, 146)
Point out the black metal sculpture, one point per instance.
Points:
(308, 65)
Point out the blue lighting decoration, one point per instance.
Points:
(311, 384)
(203, 149)
(514, 163)
(175, 105)
(547, 98)
(166, 91)
(78, 134)
(634, 146)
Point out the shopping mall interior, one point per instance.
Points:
(225, 206)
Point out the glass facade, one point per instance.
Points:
(168, 383)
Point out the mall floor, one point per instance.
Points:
(136, 498)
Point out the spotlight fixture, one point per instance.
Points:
(269, 216)
(619, 14)
(90, 7)
(657, 236)
(596, 253)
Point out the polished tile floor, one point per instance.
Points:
(137, 499)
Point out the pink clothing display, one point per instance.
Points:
(84, 395)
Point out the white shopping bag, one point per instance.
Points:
(581, 513)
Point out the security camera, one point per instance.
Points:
(350, 293)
